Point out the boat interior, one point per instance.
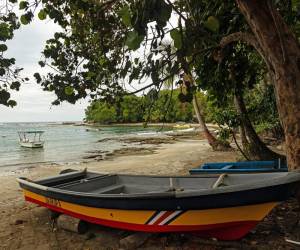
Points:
(88, 182)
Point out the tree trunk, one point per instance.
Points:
(213, 142)
(243, 135)
(256, 149)
(210, 138)
(282, 53)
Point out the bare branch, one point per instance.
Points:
(152, 84)
(240, 36)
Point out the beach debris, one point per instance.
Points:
(72, 224)
(134, 241)
(92, 157)
(132, 151)
(106, 139)
(97, 151)
(293, 242)
(19, 221)
(150, 140)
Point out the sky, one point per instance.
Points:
(34, 104)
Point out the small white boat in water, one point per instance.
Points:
(31, 139)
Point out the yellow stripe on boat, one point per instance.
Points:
(120, 215)
(188, 218)
(222, 215)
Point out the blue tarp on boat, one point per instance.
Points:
(240, 167)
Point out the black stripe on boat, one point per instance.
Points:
(220, 200)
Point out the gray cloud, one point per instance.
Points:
(33, 103)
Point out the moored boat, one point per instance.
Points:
(240, 167)
(31, 142)
(225, 206)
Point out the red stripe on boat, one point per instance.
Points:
(222, 231)
(161, 218)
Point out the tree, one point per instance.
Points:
(101, 112)
(95, 52)
(239, 71)
(279, 47)
(166, 108)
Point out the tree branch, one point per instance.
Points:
(240, 36)
(249, 39)
(150, 85)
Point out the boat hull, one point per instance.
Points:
(32, 144)
(223, 223)
(197, 204)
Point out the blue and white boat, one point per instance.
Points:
(240, 167)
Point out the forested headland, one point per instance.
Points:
(167, 107)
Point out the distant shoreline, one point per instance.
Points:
(159, 124)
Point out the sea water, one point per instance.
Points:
(63, 143)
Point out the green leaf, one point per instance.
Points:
(56, 102)
(164, 13)
(25, 19)
(3, 47)
(12, 103)
(4, 96)
(124, 13)
(212, 23)
(2, 71)
(42, 64)
(38, 77)
(134, 40)
(69, 90)
(23, 5)
(5, 32)
(15, 85)
(176, 36)
(42, 15)
(295, 5)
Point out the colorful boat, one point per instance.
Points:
(240, 167)
(225, 207)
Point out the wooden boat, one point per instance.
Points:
(31, 142)
(225, 207)
(240, 167)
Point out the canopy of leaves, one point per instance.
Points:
(105, 45)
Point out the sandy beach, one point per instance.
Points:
(27, 226)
